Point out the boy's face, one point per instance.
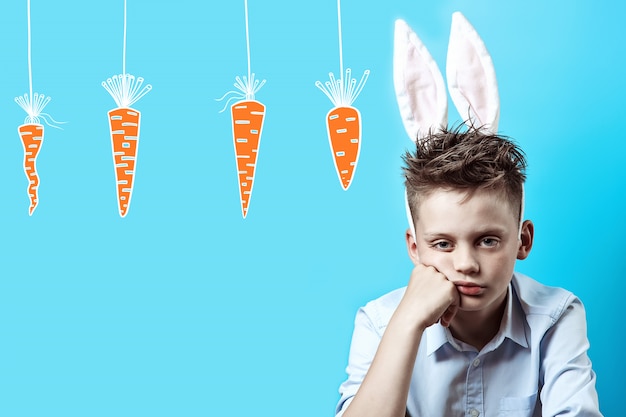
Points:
(474, 241)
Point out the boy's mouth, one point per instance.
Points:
(467, 288)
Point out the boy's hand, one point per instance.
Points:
(430, 297)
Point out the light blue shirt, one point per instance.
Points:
(537, 364)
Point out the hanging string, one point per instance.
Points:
(247, 39)
(340, 38)
(124, 46)
(30, 65)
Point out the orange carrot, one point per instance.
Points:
(247, 115)
(124, 124)
(31, 131)
(125, 89)
(247, 118)
(344, 134)
(343, 123)
(32, 139)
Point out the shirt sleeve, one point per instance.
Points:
(568, 379)
(365, 341)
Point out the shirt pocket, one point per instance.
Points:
(518, 406)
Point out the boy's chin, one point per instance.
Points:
(471, 304)
(480, 303)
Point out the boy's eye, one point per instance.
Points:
(489, 242)
(442, 245)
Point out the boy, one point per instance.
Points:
(468, 336)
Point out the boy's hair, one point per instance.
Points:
(467, 161)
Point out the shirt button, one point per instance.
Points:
(474, 412)
(476, 363)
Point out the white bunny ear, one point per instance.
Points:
(419, 85)
(471, 76)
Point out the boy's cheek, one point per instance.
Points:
(435, 259)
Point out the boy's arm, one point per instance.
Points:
(569, 381)
(383, 391)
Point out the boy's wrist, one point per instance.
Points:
(410, 324)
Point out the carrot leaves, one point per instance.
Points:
(343, 91)
(126, 89)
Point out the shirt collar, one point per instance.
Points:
(512, 327)
(513, 320)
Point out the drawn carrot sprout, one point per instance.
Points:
(246, 89)
(33, 105)
(126, 89)
(345, 90)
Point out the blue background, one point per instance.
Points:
(183, 308)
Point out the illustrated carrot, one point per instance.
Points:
(31, 135)
(247, 118)
(32, 139)
(31, 132)
(124, 123)
(343, 122)
(344, 133)
(343, 125)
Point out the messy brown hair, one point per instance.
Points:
(468, 160)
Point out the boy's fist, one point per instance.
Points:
(430, 297)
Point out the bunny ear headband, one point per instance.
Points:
(420, 89)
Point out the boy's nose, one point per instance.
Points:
(465, 261)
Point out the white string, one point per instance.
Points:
(34, 103)
(124, 45)
(246, 86)
(340, 38)
(30, 66)
(344, 90)
(126, 89)
(247, 38)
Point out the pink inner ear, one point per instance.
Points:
(471, 83)
(471, 76)
(421, 86)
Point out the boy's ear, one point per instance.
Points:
(411, 246)
(526, 239)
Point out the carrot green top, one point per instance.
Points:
(343, 91)
(246, 87)
(126, 89)
(33, 105)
